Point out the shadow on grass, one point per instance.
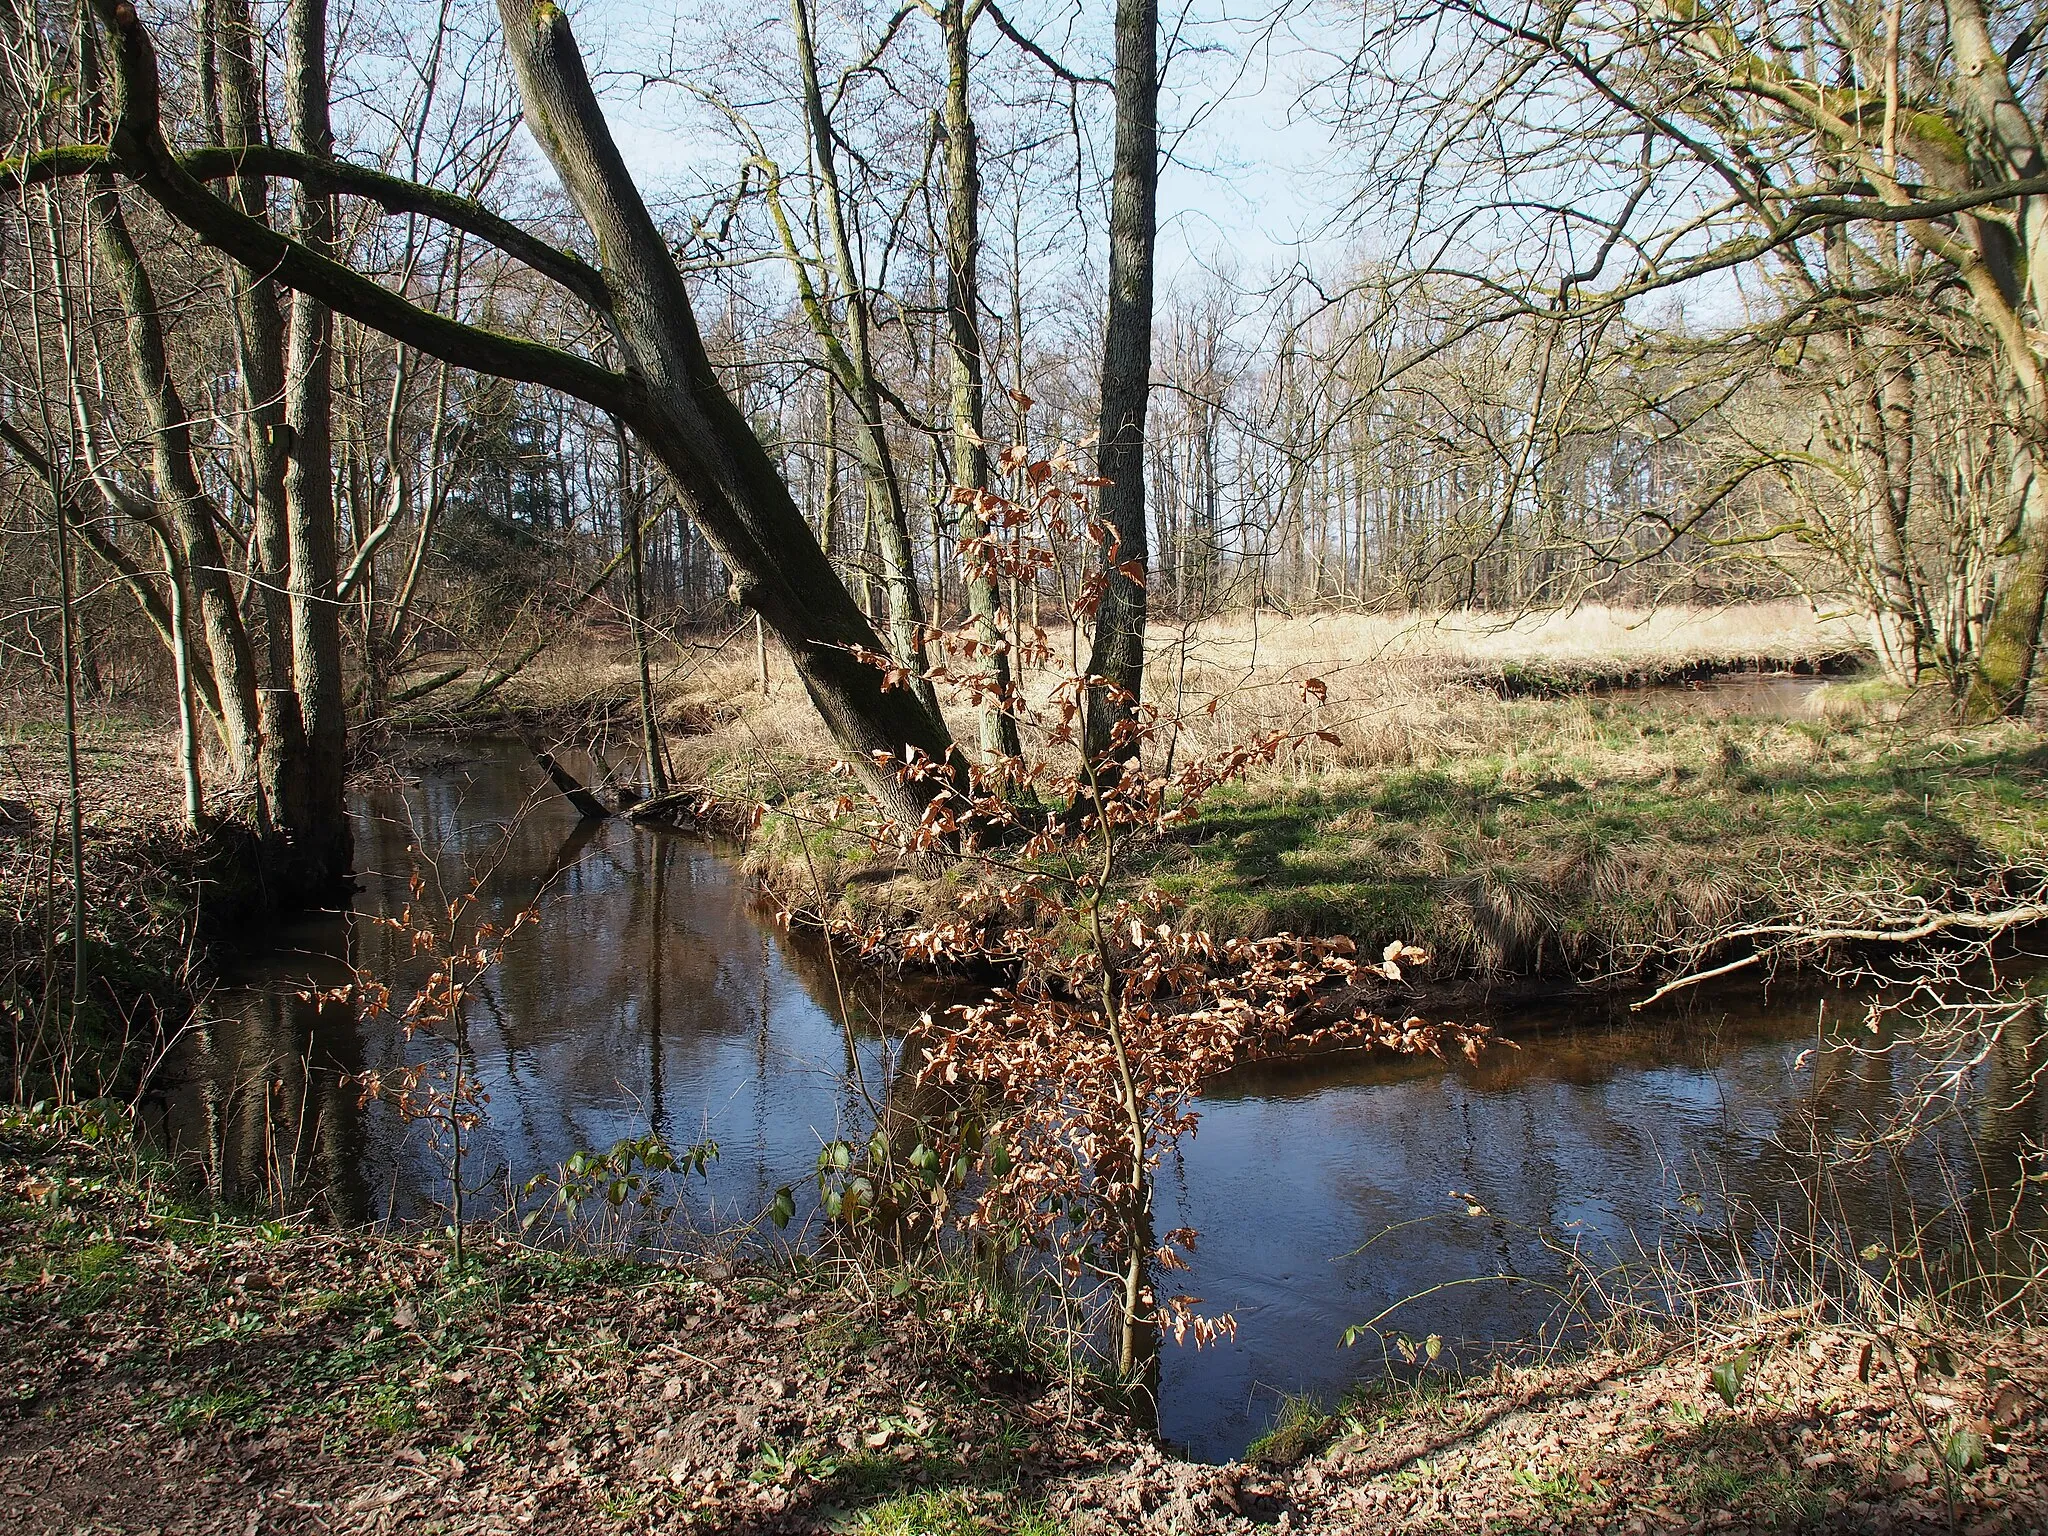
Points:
(1422, 853)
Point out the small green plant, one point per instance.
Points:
(1964, 1449)
(102, 1272)
(1727, 1375)
(1559, 1489)
(1302, 1429)
(782, 1464)
(199, 1409)
(624, 1185)
(956, 1513)
(1717, 1485)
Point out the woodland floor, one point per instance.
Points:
(167, 1369)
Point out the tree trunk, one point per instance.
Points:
(1884, 408)
(1896, 407)
(188, 725)
(323, 841)
(192, 516)
(259, 340)
(999, 737)
(855, 369)
(629, 521)
(1118, 655)
(2012, 640)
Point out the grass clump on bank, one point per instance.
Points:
(1564, 839)
(1583, 836)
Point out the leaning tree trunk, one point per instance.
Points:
(669, 394)
(699, 436)
(1118, 655)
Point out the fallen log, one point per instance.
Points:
(694, 808)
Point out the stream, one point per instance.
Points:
(653, 993)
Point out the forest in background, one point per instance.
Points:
(1637, 309)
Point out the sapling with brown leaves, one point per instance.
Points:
(441, 1093)
(1073, 1079)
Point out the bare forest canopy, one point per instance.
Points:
(347, 361)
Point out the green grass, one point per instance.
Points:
(954, 1513)
(1555, 1487)
(198, 1410)
(1302, 1429)
(1604, 827)
(1562, 837)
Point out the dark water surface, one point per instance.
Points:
(653, 994)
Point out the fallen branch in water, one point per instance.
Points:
(1788, 936)
(696, 809)
(587, 805)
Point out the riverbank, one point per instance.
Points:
(1549, 841)
(174, 1368)
(155, 893)
(1507, 793)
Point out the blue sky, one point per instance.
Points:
(1242, 191)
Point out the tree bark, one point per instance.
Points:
(2013, 637)
(1885, 411)
(1118, 654)
(323, 841)
(999, 737)
(2012, 640)
(1896, 407)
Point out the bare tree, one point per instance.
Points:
(1604, 156)
(669, 394)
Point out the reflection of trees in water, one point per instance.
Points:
(650, 994)
(263, 1107)
(1695, 1135)
(2011, 1130)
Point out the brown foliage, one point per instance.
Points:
(1081, 1073)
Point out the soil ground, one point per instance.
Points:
(169, 1369)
